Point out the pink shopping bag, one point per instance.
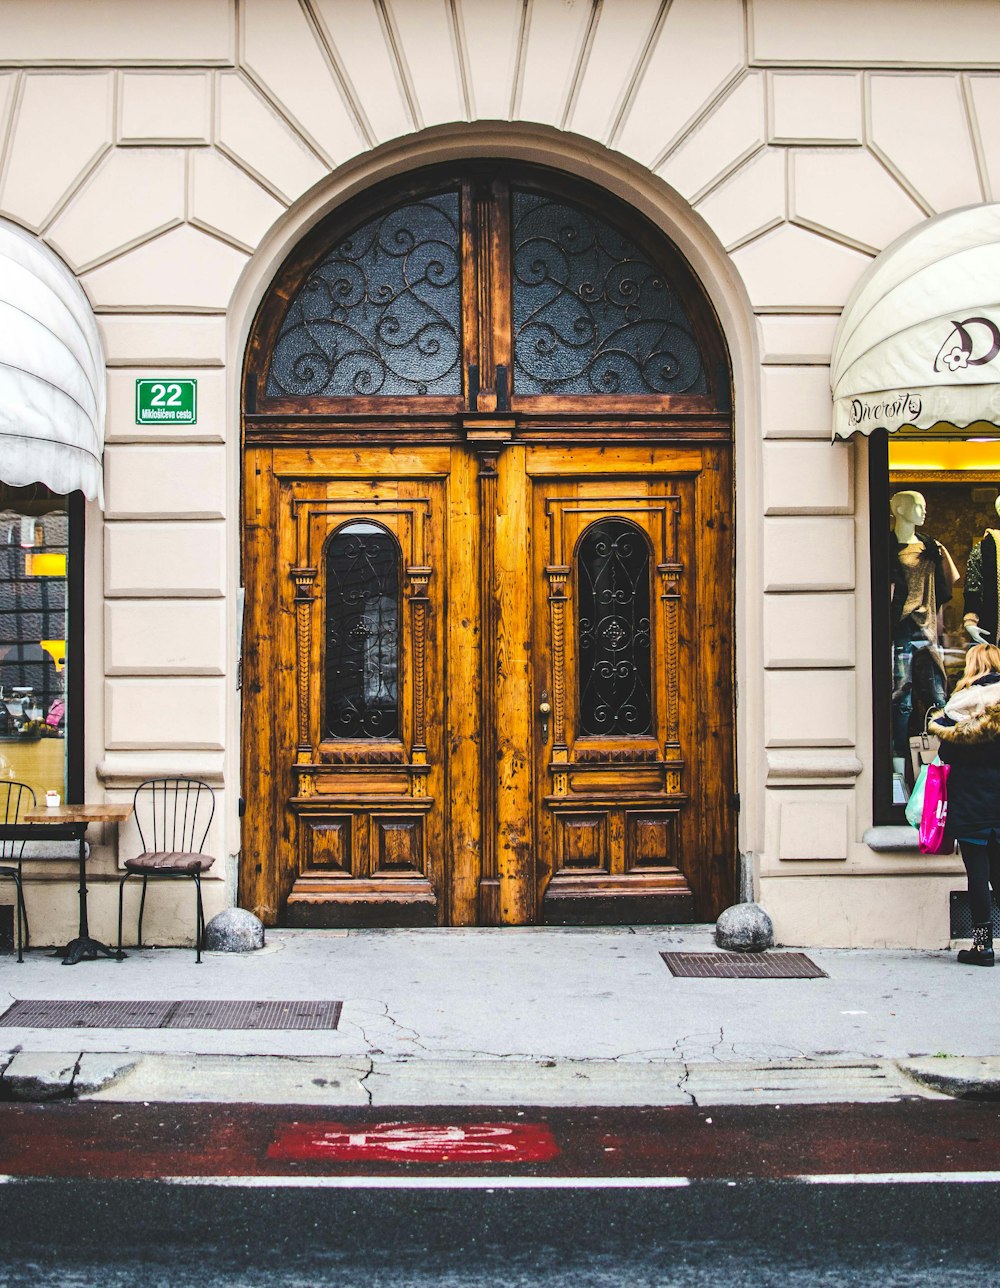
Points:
(934, 817)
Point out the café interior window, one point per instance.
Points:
(937, 508)
(35, 655)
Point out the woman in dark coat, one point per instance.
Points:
(969, 730)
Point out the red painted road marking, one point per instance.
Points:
(415, 1142)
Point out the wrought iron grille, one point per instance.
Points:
(362, 633)
(591, 313)
(613, 568)
(382, 313)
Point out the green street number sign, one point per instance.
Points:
(166, 402)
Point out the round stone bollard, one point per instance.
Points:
(744, 928)
(234, 930)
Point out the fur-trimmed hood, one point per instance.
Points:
(971, 716)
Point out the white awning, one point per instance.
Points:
(52, 390)
(919, 338)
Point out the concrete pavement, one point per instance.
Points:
(517, 1016)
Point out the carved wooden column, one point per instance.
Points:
(670, 574)
(489, 880)
(558, 576)
(419, 577)
(304, 579)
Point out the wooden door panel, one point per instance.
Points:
(619, 813)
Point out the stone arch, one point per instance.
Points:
(638, 187)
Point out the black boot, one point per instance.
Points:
(981, 952)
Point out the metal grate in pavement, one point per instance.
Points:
(742, 966)
(37, 1014)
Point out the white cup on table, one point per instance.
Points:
(51, 800)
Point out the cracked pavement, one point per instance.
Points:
(491, 1010)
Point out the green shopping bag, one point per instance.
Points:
(915, 805)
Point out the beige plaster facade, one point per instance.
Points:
(173, 152)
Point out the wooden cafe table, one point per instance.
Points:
(69, 822)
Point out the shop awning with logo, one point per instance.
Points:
(919, 339)
(52, 385)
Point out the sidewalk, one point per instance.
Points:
(516, 1016)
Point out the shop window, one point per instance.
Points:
(41, 548)
(362, 633)
(935, 507)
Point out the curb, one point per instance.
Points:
(962, 1077)
(373, 1081)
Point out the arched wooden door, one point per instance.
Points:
(488, 557)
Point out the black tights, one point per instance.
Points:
(982, 865)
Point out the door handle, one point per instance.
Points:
(544, 711)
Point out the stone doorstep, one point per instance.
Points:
(363, 1081)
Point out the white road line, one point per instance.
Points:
(899, 1178)
(438, 1182)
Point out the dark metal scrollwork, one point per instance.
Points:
(381, 314)
(614, 630)
(591, 313)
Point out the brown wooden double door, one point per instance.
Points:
(488, 686)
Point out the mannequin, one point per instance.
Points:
(922, 574)
(981, 586)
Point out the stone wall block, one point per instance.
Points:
(172, 482)
(210, 426)
(906, 31)
(699, 49)
(919, 125)
(815, 107)
(157, 560)
(616, 49)
(554, 44)
(809, 826)
(427, 42)
(808, 478)
(281, 50)
(164, 713)
(118, 31)
(489, 32)
(726, 136)
(984, 93)
(165, 107)
(808, 554)
(796, 402)
(173, 637)
(790, 268)
(143, 339)
(227, 201)
(809, 708)
(252, 133)
(132, 195)
(68, 119)
(792, 338)
(182, 269)
(750, 201)
(824, 190)
(809, 631)
(353, 31)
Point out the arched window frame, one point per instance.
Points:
(487, 358)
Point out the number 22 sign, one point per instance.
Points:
(166, 401)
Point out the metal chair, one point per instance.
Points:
(175, 814)
(15, 798)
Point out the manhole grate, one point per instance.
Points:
(33, 1014)
(743, 966)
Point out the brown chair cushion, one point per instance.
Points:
(163, 862)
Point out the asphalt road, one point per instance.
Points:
(246, 1195)
(752, 1233)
